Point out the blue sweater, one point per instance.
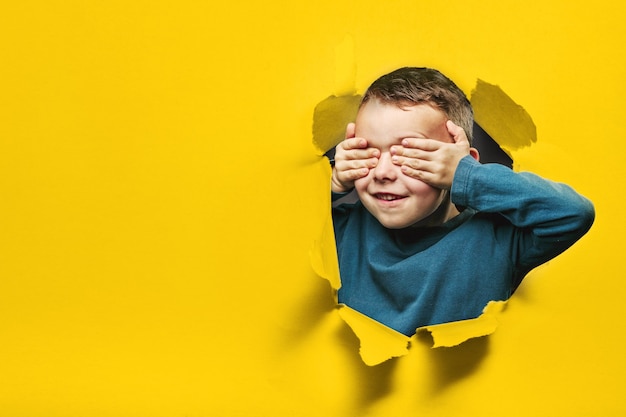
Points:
(408, 278)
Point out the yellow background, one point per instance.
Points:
(159, 194)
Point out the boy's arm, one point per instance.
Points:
(550, 216)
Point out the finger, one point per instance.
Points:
(429, 178)
(368, 153)
(457, 132)
(346, 152)
(353, 174)
(410, 153)
(358, 154)
(350, 130)
(414, 173)
(352, 164)
(423, 144)
(354, 143)
(415, 164)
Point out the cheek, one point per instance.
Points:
(362, 183)
(420, 188)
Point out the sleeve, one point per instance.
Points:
(334, 197)
(548, 217)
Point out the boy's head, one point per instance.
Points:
(407, 103)
(411, 85)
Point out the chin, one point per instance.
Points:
(394, 224)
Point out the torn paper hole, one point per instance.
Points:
(378, 342)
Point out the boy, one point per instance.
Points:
(435, 235)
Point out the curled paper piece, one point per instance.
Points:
(502, 118)
(457, 332)
(378, 342)
(330, 118)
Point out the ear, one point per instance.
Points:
(474, 153)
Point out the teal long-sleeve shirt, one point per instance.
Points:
(408, 278)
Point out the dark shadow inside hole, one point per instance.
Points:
(489, 150)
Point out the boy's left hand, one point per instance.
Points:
(431, 160)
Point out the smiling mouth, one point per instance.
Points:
(388, 197)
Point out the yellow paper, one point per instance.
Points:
(160, 193)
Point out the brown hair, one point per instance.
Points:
(411, 85)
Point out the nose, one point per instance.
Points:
(385, 170)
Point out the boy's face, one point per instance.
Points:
(395, 199)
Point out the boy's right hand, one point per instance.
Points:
(353, 160)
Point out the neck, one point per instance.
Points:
(442, 214)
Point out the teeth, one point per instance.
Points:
(388, 197)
